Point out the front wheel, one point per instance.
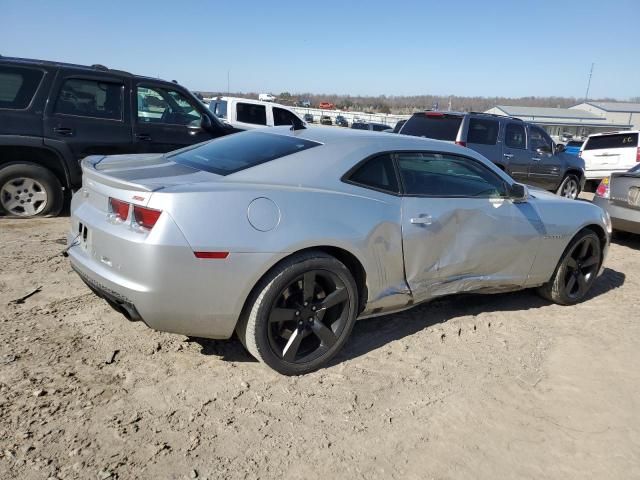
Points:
(577, 270)
(301, 314)
(570, 187)
(29, 190)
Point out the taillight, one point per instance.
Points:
(434, 114)
(119, 208)
(145, 217)
(461, 143)
(580, 154)
(603, 188)
(638, 154)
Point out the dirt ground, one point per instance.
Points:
(491, 387)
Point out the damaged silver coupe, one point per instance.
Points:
(287, 236)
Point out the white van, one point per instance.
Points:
(267, 97)
(605, 153)
(245, 113)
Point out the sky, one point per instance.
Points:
(376, 47)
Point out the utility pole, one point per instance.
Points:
(586, 95)
(228, 83)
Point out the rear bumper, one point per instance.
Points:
(591, 174)
(157, 278)
(622, 218)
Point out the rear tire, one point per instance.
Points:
(301, 314)
(570, 187)
(577, 270)
(29, 190)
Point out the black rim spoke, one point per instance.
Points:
(291, 348)
(282, 315)
(572, 263)
(335, 298)
(571, 283)
(585, 248)
(324, 333)
(582, 284)
(589, 262)
(308, 286)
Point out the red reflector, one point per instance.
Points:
(147, 217)
(217, 255)
(120, 208)
(461, 143)
(638, 155)
(434, 114)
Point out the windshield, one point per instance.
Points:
(233, 153)
(441, 127)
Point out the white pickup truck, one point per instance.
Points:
(245, 113)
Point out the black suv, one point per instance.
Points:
(523, 150)
(54, 114)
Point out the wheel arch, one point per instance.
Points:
(42, 156)
(351, 261)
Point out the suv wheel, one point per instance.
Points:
(570, 187)
(29, 190)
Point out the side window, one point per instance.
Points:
(538, 139)
(90, 98)
(444, 175)
(18, 86)
(514, 136)
(283, 117)
(251, 113)
(377, 173)
(159, 105)
(219, 108)
(482, 131)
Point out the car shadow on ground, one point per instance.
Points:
(373, 333)
(626, 239)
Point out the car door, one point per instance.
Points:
(88, 112)
(515, 157)
(460, 231)
(250, 115)
(165, 119)
(546, 167)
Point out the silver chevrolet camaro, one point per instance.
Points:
(287, 236)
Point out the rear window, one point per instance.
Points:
(443, 127)
(574, 143)
(18, 86)
(619, 140)
(237, 152)
(484, 132)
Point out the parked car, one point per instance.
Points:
(327, 106)
(619, 195)
(341, 121)
(325, 120)
(523, 150)
(606, 153)
(308, 118)
(245, 113)
(398, 125)
(286, 237)
(54, 114)
(266, 97)
(304, 103)
(376, 127)
(573, 147)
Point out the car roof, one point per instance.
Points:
(87, 68)
(616, 132)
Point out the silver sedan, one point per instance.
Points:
(288, 236)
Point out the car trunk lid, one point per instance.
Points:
(625, 189)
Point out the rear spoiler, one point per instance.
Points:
(89, 172)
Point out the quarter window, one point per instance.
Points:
(443, 175)
(18, 86)
(483, 132)
(160, 105)
(514, 136)
(90, 98)
(377, 173)
(251, 113)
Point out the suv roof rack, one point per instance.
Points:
(497, 115)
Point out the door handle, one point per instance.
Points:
(194, 130)
(508, 155)
(536, 159)
(143, 136)
(421, 220)
(64, 131)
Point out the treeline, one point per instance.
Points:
(408, 104)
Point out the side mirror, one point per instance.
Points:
(560, 148)
(205, 123)
(543, 149)
(518, 193)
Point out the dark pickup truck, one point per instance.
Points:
(54, 114)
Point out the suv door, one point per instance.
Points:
(88, 113)
(546, 167)
(459, 230)
(515, 157)
(165, 119)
